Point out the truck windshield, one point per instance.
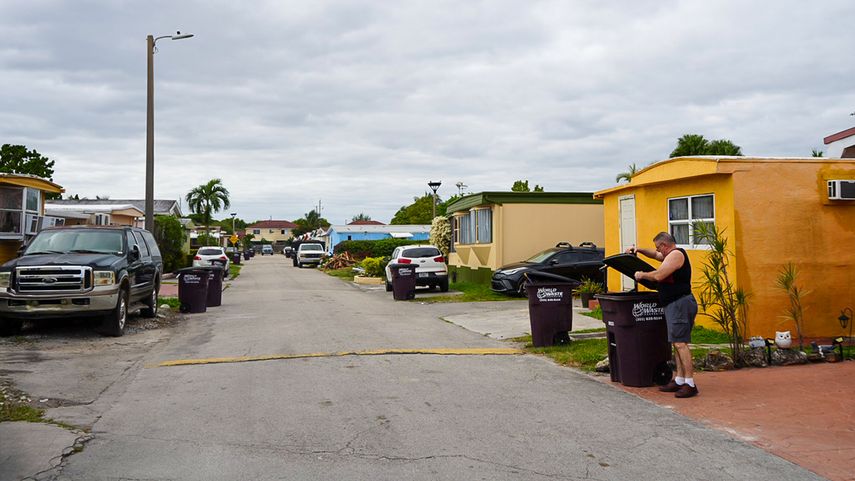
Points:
(311, 247)
(63, 241)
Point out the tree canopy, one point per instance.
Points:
(360, 217)
(207, 199)
(694, 144)
(628, 175)
(310, 221)
(16, 159)
(419, 212)
(522, 186)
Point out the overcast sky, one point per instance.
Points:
(360, 104)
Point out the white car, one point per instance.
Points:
(309, 253)
(430, 266)
(208, 256)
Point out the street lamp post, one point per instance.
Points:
(434, 186)
(149, 126)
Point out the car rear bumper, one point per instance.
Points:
(430, 278)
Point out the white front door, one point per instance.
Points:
(627, 234)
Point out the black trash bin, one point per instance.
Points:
(236, 258)
(215, 285)
(245, 256)
(639, 350)
(193, 289)
(403, 281)
(550, 308)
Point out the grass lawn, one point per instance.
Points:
(472, 292)
(234, 271)
(13, 408)
(586, 353)
(172, 302)
(345, 273)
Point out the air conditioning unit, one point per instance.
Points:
(50, 221)
(841, 190)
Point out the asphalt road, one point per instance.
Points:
(376, 417)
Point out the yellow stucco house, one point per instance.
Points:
(275, 231)
(22, 208)
(491, 229)
(773, 211)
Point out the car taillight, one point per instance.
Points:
(439, 259)
(404, 261)
(224, 258)
(197, 258)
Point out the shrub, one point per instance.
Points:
(371, 248)
(440, 234)
(170, 237)
(374, 266)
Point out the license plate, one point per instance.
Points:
(424, 274)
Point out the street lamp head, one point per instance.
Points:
(181, 36)
(434, 185)
(233, 214)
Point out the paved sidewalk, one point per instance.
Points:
(804, 414)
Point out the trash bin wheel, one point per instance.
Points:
(662, 374)
(184, 307)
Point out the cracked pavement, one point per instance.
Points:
(395, 417)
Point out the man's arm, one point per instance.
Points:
(673, 261)
(651, 253)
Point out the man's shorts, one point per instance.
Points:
(680, 318)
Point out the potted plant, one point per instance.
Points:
(587, 289)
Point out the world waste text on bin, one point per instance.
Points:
(647, 311)
(191, 279)
(550, 294)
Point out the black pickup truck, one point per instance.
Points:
(79, 271)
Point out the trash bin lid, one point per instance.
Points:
(628, 265)
(548, 277)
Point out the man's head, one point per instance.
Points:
(664, 243)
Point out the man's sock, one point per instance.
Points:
(680, 380)
(690, 381)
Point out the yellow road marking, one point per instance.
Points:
(378, 352)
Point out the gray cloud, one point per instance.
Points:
(359, 104)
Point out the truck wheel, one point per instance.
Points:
(151, 302)
(10, 327)
(114, 322)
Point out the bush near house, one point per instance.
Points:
(372, 248)
(375, 266)
(170, 236)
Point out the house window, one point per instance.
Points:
(19, 211)
(684, 213)
(350, 237)
(464, 229)
(283, 232)
(476, 227)
(484, 226)
(256, 231)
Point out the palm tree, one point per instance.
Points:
(816, 153)
(207, 199)
(627, 176)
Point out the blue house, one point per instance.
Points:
(338, 233)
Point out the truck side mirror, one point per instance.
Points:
(134, 253)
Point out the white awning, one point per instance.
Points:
(400, 235)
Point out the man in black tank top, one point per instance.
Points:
(674, 278)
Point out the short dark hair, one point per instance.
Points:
(665, 237)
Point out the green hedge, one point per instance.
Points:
(373, 248)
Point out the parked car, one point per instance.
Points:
(67, 272)
(584, 260)
(430, 266)
(311, 253)
(209, 256)
(266, 249)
